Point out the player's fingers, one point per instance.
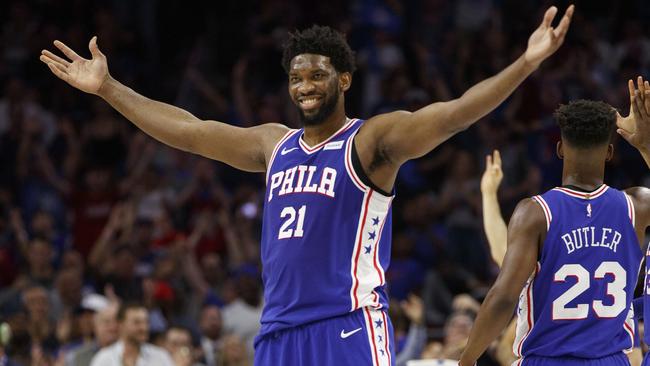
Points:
(72, 55)
(563, 27)
(638, 108)
(94, 49)
(488, 162)
(55, 57)
(626, 135)
(548, 16)
(640, 86)
(646, 102)
(497, 158)
(55, 62)
(56, 71)
(630, 88)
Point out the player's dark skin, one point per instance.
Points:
(383, 143)
(582, 168)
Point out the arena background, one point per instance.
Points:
(90, 205)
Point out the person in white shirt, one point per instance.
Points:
(132, 348)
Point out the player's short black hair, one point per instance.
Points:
(323, 41)
(586, 123)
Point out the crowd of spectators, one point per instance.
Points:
(95, 215)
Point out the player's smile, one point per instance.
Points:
(310, 102)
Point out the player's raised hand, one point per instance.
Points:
(83, 74)
(546, 39)
(493, 174)
(638, 133)
(413, 308)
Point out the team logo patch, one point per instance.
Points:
(334, 145)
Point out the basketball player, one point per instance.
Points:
(581, 242)
(496, 233)
(327, 218)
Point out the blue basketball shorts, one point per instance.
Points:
(363, 337)
(617, 359)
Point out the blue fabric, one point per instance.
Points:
(581, 297)
(325, 236)
(637, 305)
(321, 343)
(617, 359)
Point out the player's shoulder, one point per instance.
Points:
(378, 126)
(640, 197)
(269, 134)
(385, 119)
(273, 131)
(531, 210)
(638, 193)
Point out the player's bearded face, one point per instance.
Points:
(317, 116)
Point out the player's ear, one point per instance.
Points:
(345, 81)
(610, 152)
(559, 151)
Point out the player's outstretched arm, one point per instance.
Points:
(635, 129)
(525, 231)
(243, 148)
(495, 227)
(405, 135)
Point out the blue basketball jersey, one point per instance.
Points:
(578, 303)
(646, 300)
(325, 234)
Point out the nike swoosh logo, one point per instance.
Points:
(285, 151)
(345, 335)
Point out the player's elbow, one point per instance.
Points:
(189, 139)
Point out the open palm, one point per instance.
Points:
(635, 128)
(546, 39)
(83, 74)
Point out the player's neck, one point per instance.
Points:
(587, 176)
(321, 132)
(583, 168)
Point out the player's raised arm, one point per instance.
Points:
(243, 148)
(525, 231)
(635, 129)
(404, 135)
(495, 227)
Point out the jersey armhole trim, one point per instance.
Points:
(547, 210)
(356, 173)
(361, 174)
(275, 151)
(630, 208)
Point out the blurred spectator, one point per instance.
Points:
(178, 342)
(105, 330)
(132, 347)
(210, 325)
